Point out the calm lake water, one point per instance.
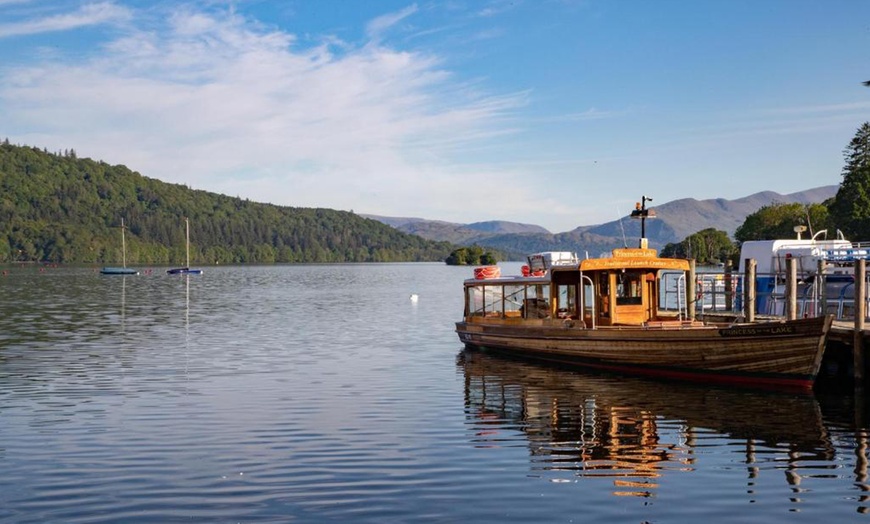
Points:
(323, 393)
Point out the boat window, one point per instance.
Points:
(604, 294)
(628, 288)
(567, 301)
(485, 301)
(537, 303)
(588, 298)
(476, 301)
(493, 301)
(513, 300)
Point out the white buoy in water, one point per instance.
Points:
(414, 297)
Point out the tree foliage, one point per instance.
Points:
(471, 256)
(779, 220)
(707, 246)
(851, 207)
(61, 208)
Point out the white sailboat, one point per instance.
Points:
(186, 270)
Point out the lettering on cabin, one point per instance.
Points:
(750, 331)
(634, 253)
(617, 263)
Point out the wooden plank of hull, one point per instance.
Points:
(783, 353)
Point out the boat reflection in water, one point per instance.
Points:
(637, 431)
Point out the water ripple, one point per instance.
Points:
(312, 393)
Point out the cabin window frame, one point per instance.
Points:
(630, 287)
(602, 297)
(512, 303)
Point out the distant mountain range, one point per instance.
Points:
(675, 221)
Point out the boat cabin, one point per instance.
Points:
(624, 289)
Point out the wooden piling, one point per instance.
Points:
(691, 299)
(821, 289)
(749, 290)
(859, 301)
(729, 286)
(791, 288)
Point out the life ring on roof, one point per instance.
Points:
(484, 272)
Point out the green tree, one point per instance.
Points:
(778, 220)
(61, 208)
(470, 256)
(707, 246)
(851, 207)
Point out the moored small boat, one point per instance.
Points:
(123, 270)
(186, 270)
(118, 271)
(614, 314)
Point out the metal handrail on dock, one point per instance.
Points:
(790, 295)
(714, 296)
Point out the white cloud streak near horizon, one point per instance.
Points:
(216, 102)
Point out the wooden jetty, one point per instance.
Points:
(848, 339)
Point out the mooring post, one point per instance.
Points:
(749, 290)
(821, 290)
(791, 288)
(729, 287)
(858, 340)
(691, 301)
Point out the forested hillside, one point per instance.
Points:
(58, 208)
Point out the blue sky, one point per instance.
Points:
(559, 113)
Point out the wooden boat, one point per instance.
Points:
(186, 270)
(621, 314)
(123, 270)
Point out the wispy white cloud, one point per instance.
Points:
(379, 25)
(87, 15)
(217, 103)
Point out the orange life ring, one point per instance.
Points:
(485, 272)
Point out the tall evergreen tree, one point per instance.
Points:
(851, 207)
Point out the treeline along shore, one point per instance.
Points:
(55, 207)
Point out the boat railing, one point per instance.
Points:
(857, 251)
(588, 302)
(714, 294)
(817, 295)
(673, 293)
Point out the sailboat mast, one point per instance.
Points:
(123, 246)
(187, 229)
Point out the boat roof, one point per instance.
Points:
(626, 258)
(634, 258)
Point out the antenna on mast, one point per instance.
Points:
(641, 212)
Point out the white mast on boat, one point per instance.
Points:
(123, 246)
(187, 233)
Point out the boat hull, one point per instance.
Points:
(119, 271)
(779, 354)
(184, 271)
